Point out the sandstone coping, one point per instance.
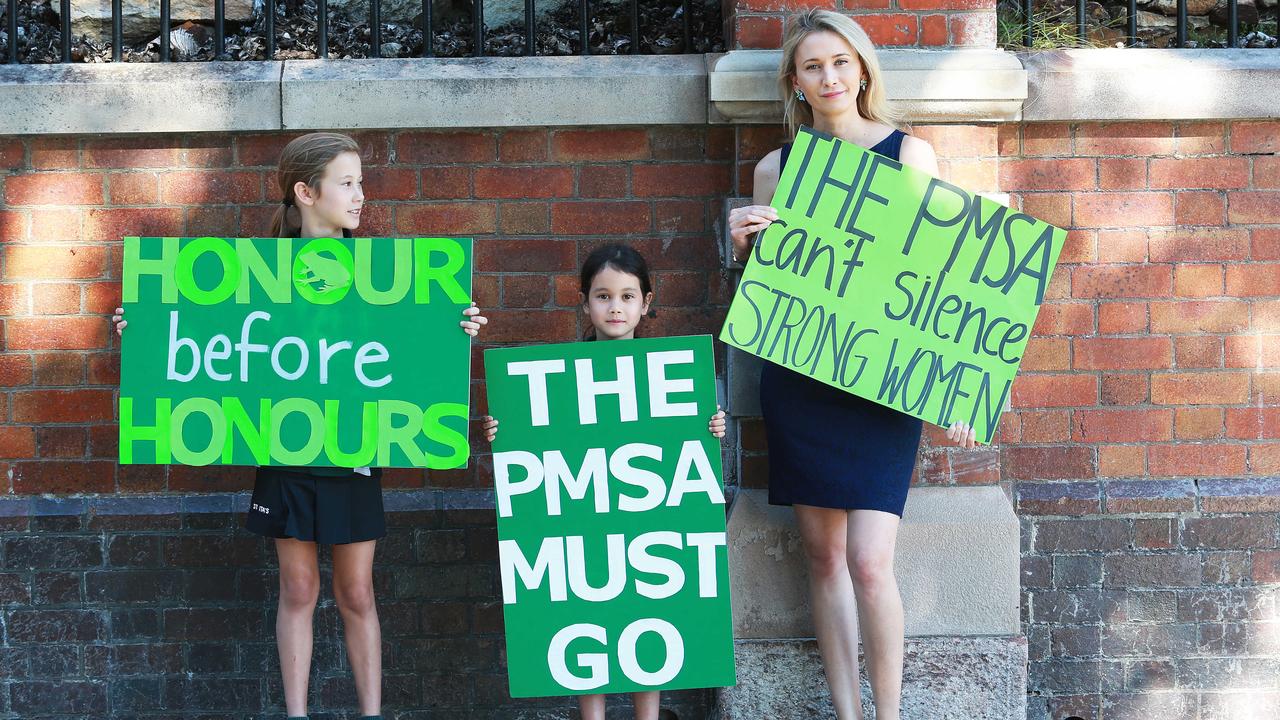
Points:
(957, 564)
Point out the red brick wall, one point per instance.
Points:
(537, 201)
(910, 23)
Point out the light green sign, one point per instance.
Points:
(317, 351)
(893, 285)
(611, 517)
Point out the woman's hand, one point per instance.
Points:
(716, 426)
(473, 320)
(961, 434)
(744, 223)
(490, 427)
(119, 321)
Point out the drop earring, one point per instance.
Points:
(863, 84)
(799, 94)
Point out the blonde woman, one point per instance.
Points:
(847, 479)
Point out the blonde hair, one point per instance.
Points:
(873, 104)
(304, 160)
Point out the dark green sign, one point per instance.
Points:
(611, 517)
(318, 351)
(893, 285)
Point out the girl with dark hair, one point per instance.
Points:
(616, 292)
(848, 480)
(321, 195)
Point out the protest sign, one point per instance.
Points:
(893, 285)
(306, 352)
(611, 517)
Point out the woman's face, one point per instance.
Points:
(828, 71)
(340, 198)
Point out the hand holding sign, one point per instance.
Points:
(894, 285)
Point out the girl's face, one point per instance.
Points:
(828, 71)
(616, 304)
(336, 205)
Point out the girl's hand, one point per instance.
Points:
(490, 427)
(716, 426)
(119, 321)
(471, 325)
(961, 434)
(744, 222)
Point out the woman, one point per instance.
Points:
(843, 462)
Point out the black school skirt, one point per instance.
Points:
(292, 503)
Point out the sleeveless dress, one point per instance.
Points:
(828, 448)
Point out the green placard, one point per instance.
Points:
(893, 285)
(611, 517)
(305, 352)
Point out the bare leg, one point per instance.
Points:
(353, 589)
(835, 617)
(299, 588)
(591, 707)
(647, 704)
(872, 536)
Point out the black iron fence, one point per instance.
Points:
(625, 25)
(1056, 23)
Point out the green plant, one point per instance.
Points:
(1050, 29)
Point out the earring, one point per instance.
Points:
(799, 94)
(863, 84)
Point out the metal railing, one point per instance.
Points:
(1132, 37)
(478, 29)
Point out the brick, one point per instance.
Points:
(62, 442)
(1141, 353)
(1252, 351)
(1053, 208)
(1064, 319)
(532, 326)
(14, 370)
(682, 216)
(1253, 279)
(210, 187)
(1048, 463)
(1116, 318)
(524, 218)
(1150, 496)
(611, 144)
(1120, 246)
(12, 153)
(1122, 426)
(1186, 460)
(465, 218)
(57, 333)
(59, 368)
(1264, 459)
(54, 262)
(1124, 388)
(523, 145)
(534, 255)
(1185, 173)
(1045, 427)
(62, 188)
(1152, 571)
(1201, 138)
(1107, 281)
(1185, 316)
(133, 152)
(1198, 351)
(976, 29)
(1125, 138)
(429, 148)
(1123, 209)
(17, 442)
(1046, 139)
(1253, 423)
(115, 223)
(1199, 245)
(1245, 532)
(386, 183)
(1197, 423)
(757, 32)
(59, 406)
(1045, 354)
(600, 218)
(1266, 171)
(1265, 243)
(935, 33)
(680, 180)
(1053, 174)
(55, 298)
(1200, 388)
(601, 181)
(1200, 208)
(136, 188)
(1253, 207)
(1122, 461)
(525, 291)
(445, 183)
(1259, 137)
(13, 225)
(1058, 390)
(1197, 281)
(1122, 173)
(961, 141)
(1266, 388)
(977, 175)
(1266, 566)
(890, 28)
(523, 182)
(55, 153)
(1266, 315)
(63, 477)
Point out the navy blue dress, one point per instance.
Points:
(828, 448)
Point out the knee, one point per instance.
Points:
(299, 588)
(871, 570)
(354, 598)
(827, 563)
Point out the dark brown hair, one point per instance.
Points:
(304, 160)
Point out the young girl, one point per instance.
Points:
(844, 462)
(300, 507)
(615, 292)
